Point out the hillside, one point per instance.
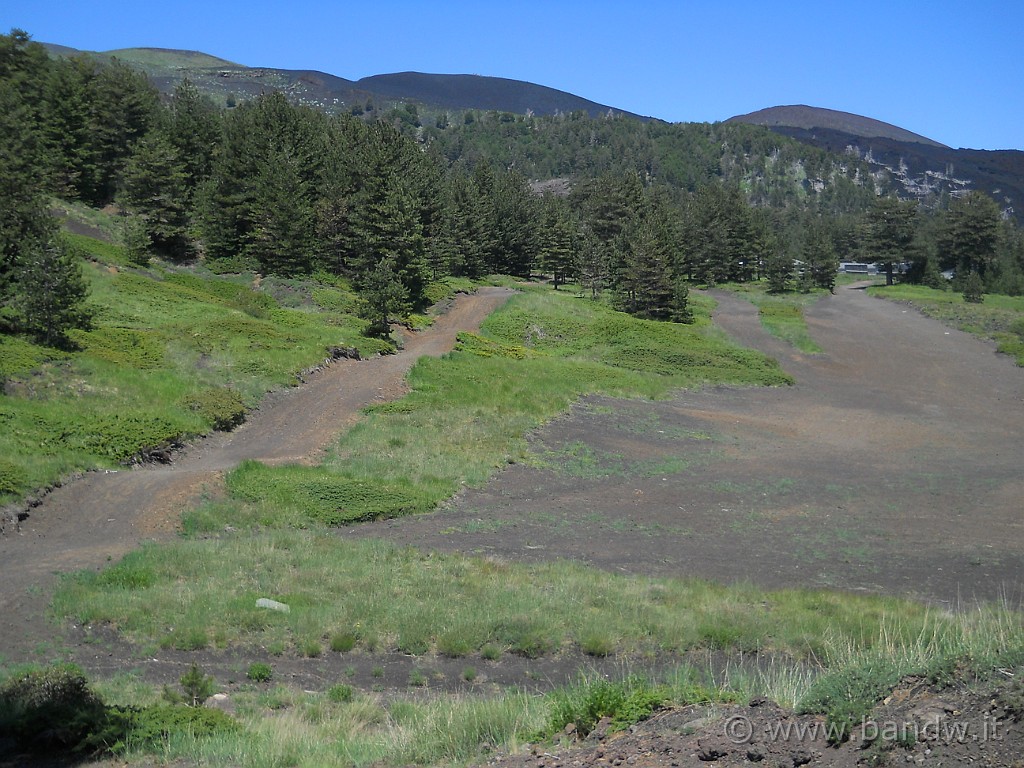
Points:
(479, 92)
(169, 57)
(227, 82)
(809, 118)
(918, 167)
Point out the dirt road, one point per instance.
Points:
(893, 465)
(103, 515)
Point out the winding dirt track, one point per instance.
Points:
(102, 516)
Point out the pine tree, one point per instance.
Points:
(819, 255)
(645, 282)
(970, 234)
(50, 293)
(382, 295)
(556, 241)
(154, 189)
(680, 309)
(514, 215)
(123, 107)
(889, 233)
(42, 291)
(193, 127)
(385, 225)
(778, 269)
(283, 217)
(23, 223)
(592, 263)
(464, 228)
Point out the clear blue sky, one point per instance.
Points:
(950, 70)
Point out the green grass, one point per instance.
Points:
(998, 318)
(468, 413)
(171, 354)
(782, 315)
(202, 593)
(943, 651)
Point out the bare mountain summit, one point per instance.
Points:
(809, 118)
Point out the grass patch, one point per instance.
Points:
(998, 318)
(468, 412)
(943, 651)
(195, 593)
(782, 315)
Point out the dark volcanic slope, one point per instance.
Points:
(222, 79)
(808, 118)
(923, 168)
(480, 92)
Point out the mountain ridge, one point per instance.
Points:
(225, 80)
(809, 118)
(921, 167)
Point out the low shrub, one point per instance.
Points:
(341, 693)
(323, 496)
(585, 704)
(259, 672)
(50, 709)
(848, 695)
(155, 724)
(13, 479)
(19, 355)
(54, 710)
(196, 688)
(343, 642)
(221, 407)
(143, 350)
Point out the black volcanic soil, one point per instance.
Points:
(891, 466)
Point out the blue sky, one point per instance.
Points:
(949, 70)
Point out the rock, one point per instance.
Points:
(273, 605)
(344, 353)
(600, 731)
(222, 702)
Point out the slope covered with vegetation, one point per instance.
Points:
(169, 354)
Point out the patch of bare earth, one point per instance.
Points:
(891, 466)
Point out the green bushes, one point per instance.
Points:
(259, 672)
(222, 408)
(53, 709)
(153, 725)
(142, 350)
(846, 696)
(13, 479)
(585, 704)
(19, 355)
